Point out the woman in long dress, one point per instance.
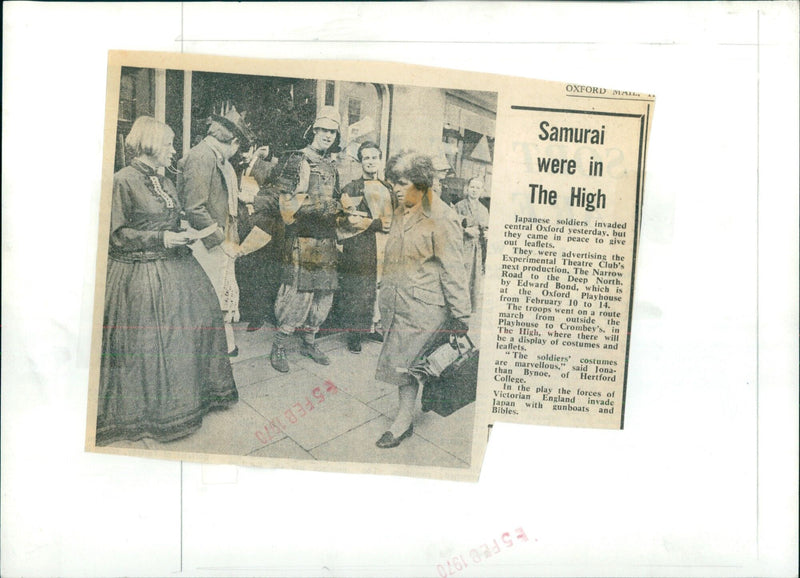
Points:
(164, 363)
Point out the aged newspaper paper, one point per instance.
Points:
(358, 266)
(563, 255)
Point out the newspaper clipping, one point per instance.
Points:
(564, 257)
(358, 266)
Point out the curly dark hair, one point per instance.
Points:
(415, 167)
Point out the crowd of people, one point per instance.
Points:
(387, 258)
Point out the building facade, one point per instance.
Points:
(456, 124)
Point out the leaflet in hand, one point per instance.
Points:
(203, 233)
(256, 240)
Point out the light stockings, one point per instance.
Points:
(229, 336)
(407, 394)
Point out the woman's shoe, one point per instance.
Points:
(234, 353)
(389, 441)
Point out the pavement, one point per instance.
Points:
(315, 412)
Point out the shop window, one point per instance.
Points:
(353, 111)
(278, 110)
(330, 93)
(173, 109)
(136, 98)
(360, 107)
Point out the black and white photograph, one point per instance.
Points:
(294, 268)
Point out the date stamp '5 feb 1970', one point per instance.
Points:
(275, 426)
(481, 553)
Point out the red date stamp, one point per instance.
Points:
(296, 412)
(481, 553)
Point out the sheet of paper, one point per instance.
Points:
(203, 233)
(702, 480)
(563, 180)
(255, 240)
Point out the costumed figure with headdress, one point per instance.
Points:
(308, 184)
(209, 188)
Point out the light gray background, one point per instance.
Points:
(703, 479)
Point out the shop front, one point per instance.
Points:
(453, 124)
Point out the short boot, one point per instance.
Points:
(311, 350)
(277, 356)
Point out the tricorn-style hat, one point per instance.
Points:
(328, 118)
(234, 121)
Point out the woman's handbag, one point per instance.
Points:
(450, 388)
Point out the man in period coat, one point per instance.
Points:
(209, 190)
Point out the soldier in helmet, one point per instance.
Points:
(308, 198)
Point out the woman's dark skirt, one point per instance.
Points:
(164, 363)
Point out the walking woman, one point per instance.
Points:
(164, 363)
(424, 283)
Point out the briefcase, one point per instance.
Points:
(457, 383)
